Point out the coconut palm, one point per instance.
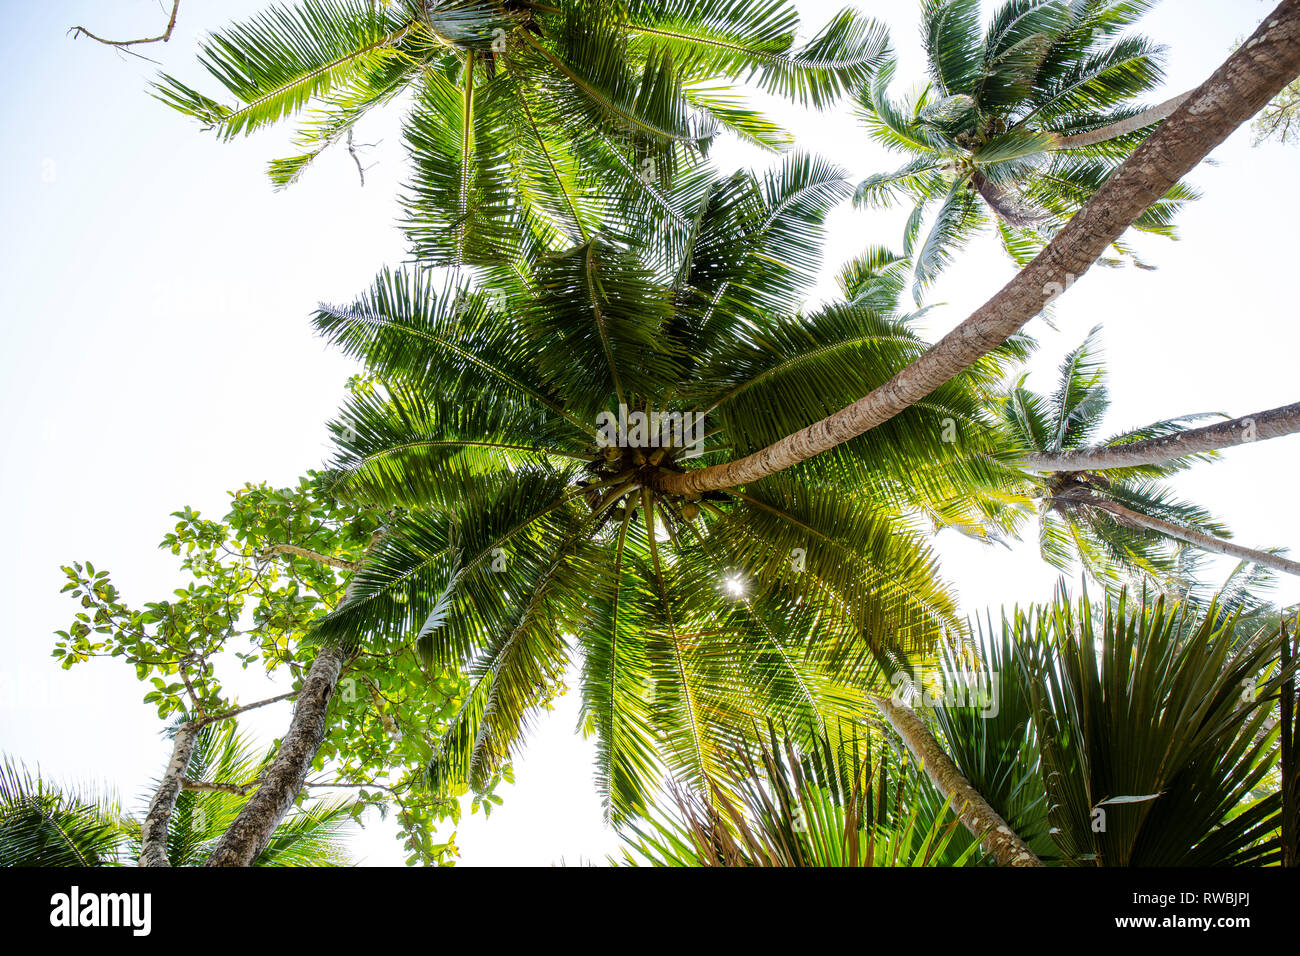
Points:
(1245, 82)
(524, 115)
(45, 825)
(1019, 125)
(42, 824)
(813, 808)
(1115, 522)
(492, 427)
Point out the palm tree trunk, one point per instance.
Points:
(1142, 120)
(1199, 539)
(1273, 423)
(1252, 76)
(249, 835)
(996, 838)
(153, 831)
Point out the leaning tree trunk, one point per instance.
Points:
(280, 784)
(153, 831)
(1199, 539)
(1273, 423)
(995, 837)
(1239, 89)
(1123, 127)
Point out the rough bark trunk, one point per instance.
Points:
(1273, 423)
(153, 831)
(1255, 73)
(249, 835)
(1206, 542)
(996, 838)
(1142, 120)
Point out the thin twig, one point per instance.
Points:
(239, 710)
(161, 38)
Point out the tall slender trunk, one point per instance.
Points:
(280, 784)
(153, 831)
(1273, 423)
(1288, 763)
(995, 837)
(1148, 117)
(1252, 76)
(1199, 539)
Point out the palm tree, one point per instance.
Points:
(525, 116)
(42, 824)
(813, 808)
(1075, 520)
(1018, 127)
(45, 825)
(492, 428)
(1237, 90)
(1126, 735)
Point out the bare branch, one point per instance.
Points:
(238, 789)
(253, 706)
(276, 550)
(161, 38)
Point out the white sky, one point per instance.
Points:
(157, 353)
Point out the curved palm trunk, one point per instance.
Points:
(1253, 75)
(996, 838)
(1199, 539)
(153, 831)
(1148, 117)
(1273, 423)
(249, 835)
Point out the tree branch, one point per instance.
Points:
(161, 38)
(253, 706)
(1273, 423)
(290, 549)
(1252, 76)
(238, 789)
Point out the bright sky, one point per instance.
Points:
(157, 353)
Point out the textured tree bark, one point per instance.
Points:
(249, 835)
(1142, 120)
(996, 838)
(153, 831)
(1206, 542)
(1273, 423)
(1256, 72)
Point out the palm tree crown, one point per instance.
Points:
(1023, 121)
(694, 618)
(1072, 525)
(524, 115)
